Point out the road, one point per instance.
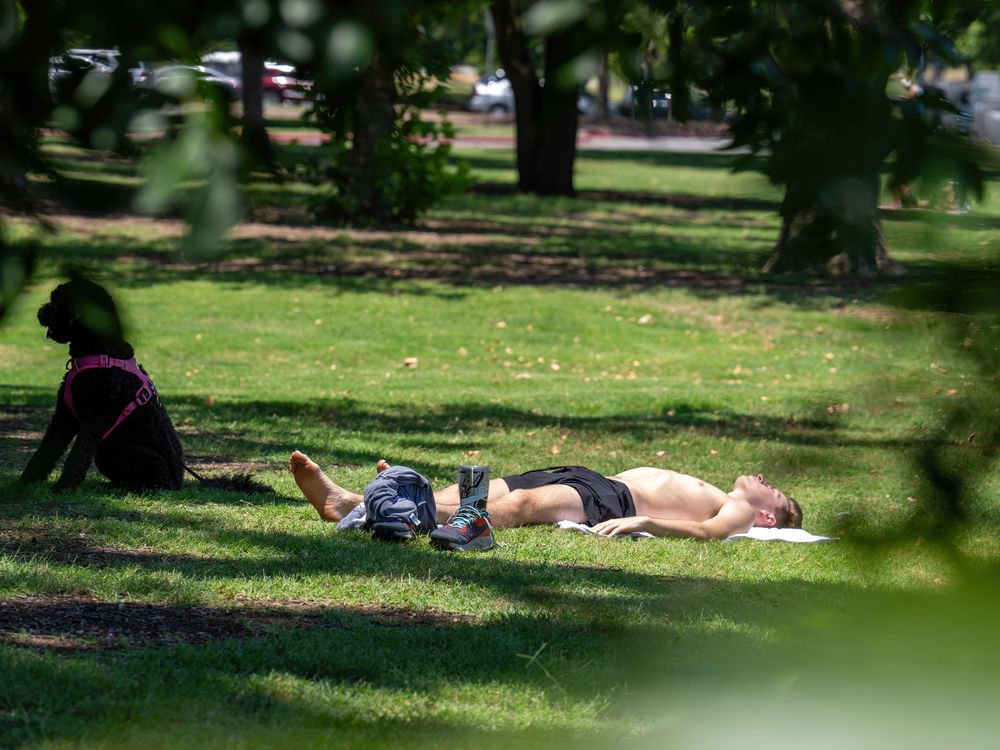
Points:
(586, 141)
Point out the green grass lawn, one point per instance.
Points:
(625, 327)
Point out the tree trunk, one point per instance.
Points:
(515, 56)
(374, 117)
(491, 41)
(831, 166)
(546, 119)
(603, 111)
(837, 232)
(255, 137)
(25, 102)
(559, 121)
(15, 140)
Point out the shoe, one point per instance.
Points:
(468, 529)
(394, 531)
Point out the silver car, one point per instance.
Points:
(182, 81)
(494, 95)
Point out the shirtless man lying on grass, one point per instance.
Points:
(659, 501)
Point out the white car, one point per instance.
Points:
(493, 94)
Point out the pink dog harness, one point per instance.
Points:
(101, 361)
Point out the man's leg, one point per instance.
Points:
(556, 502)
(330, 500)
(448, 499)
(506, 507)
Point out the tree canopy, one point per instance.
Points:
(809, 83)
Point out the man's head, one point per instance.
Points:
(773, 507)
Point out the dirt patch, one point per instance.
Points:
(878, 315)
(228, 465)
(77, 623)
(499, 268)
(121, 225)
(78, 549)
(84, 624)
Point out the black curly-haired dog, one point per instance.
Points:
(108, 403)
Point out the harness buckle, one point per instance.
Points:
(143, 395)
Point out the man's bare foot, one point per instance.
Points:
(330, 500)
(381, 466)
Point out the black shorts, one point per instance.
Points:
(603, 498)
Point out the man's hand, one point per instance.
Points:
(618, 526)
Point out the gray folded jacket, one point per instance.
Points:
(400, 494)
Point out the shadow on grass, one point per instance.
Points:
(709, 245)
(571, 607)
(515, 680)
(333, 672)
(719, 161)
(631, 263)
(938, 219)
(207, 432)
(575, 635)
(686, 201)
(90, 195)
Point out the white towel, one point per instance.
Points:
(761, 533)
(765, 534)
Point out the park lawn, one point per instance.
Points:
(625, 327)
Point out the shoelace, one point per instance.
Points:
(465, 516)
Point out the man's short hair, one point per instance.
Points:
(793, 515)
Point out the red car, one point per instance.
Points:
(281, 83)
(283, 86)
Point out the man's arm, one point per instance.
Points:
(733, 518)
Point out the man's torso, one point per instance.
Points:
(670, 495)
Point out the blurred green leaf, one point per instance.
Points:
(256, 12)
(550, 16)
(209, 160)
(216, 207)
(349, 46)
(16, 267)
(580, 69)
(300, 13)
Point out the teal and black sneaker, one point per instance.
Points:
(467, 529)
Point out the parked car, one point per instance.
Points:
(282, 85)
(659, 103)
(493, 94)
(281, 82)
(180, 81)
(227, 62)
(73, 64)
(140, 74)
(102, 60)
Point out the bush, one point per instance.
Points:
(411, 169)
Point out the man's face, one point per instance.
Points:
(770, 502)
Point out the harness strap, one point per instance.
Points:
(101, 361)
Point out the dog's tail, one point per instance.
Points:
(235, 482)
